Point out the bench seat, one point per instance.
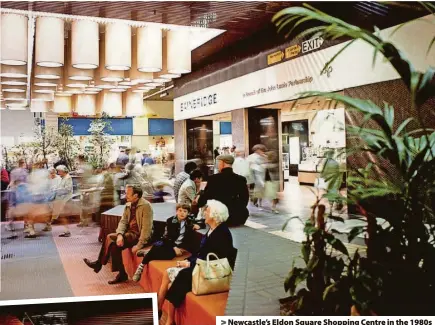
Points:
(195, 310)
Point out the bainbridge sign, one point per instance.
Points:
(199, 102)
(285, 81)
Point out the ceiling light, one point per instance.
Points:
(179, 54)
(44, 83)
(13, 71)
(164, 74)
(149, 49)
(112, 103)
(47, 73)
(77, 83)
(103, 73)
(39, 106)
(14, 89)
(14, 96)
(74, 73)
(86, 105)
(13, 46)
(118, 90)
(118, 46)
(134, 74)
(153, 84)
(134, 104)
(17, 106)
(75, 91)
(85, 44)
(42, 96)
(49, 42)
(63, 94)
(43, 90)
(62, 104)
(128, 83)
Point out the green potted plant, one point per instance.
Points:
(396, 274)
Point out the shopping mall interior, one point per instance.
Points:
(137, 90)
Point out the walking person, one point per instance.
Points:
(257, 162)
(271, 187)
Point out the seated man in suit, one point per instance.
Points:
(230, 189)
(134, 231)
(179, 237)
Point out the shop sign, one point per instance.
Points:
(275, 57)
(202, 101)
(312, 44)
(292, 51)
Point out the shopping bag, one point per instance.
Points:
(211, 276)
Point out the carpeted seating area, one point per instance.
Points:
(196, 310)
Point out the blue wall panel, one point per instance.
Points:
(120, 126)
(160, 126)
(225, 128)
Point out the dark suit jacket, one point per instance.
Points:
(230, 189)
(172, 232)
(219, 242)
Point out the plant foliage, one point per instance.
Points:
(396, 275)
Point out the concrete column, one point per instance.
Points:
(180, 144)
(239, 126)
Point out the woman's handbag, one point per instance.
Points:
(211, 276)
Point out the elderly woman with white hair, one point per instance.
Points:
(177, 282)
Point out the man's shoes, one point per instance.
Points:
(65, 234)
(137, 275)
(121, 277)
(96, 266)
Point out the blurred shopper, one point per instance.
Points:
(63, 195)
(271, 188)
(177, 281)
(189, 191)
(132, 176)
(138, 157)
(233, 151)
(134, 231)
(170, 165)
(20, 173)
(147, 159)
(85, 172)
(122, 159)
(4, 178)
(53, 178)
(178, 239)
(230, 189)
(257, 162)
(181, 177)
(216, 152)
(241, 167)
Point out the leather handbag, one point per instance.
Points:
(211, 276)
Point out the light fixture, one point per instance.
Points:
(14, 96)
(13, 71)
(63, 94)
(45, 83)
(39, 106)
(43, 90)
(118, 46)
(134, 104)
(13, 46)
(159, 80)
(164, 74)
(49, 42)
(86, 104)
(149, 49)
(75, 91)
(179, 59)
(77, 83)
(118, 90)
(111, 103)
(128, 82)
(62, 104)
(12, 82)
(74, 73)
(47, 73)
(104, 74)
(42, 96)
(14, 89)
(134, 74)
(85, 44)
(154, 84)
(17, 106)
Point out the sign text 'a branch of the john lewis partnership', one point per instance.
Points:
(202, 101)
(278, 86)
